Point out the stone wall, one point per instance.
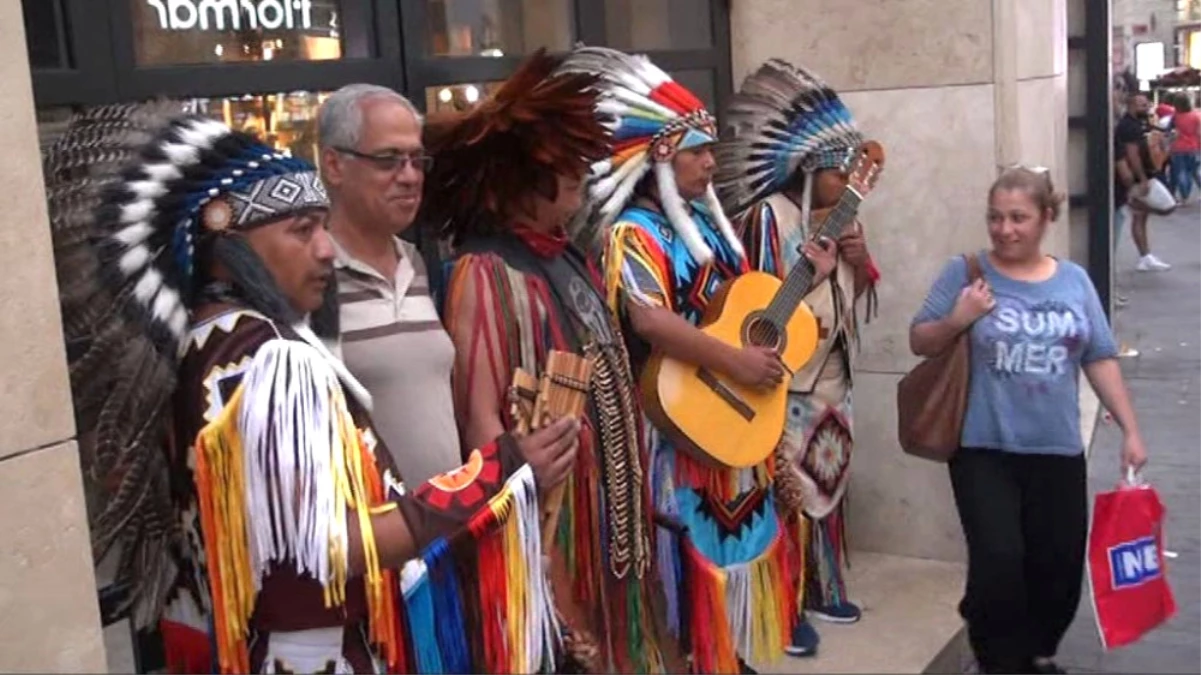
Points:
(49, 617)
(954, 89)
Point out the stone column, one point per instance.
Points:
(954, 89)
(49, 617)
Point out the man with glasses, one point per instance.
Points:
(374, 165)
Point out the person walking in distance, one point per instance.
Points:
(1132, 137)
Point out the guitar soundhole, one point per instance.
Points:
(762, 332)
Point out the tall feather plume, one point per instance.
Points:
(782, 119)
(488, 160)
(120, 379)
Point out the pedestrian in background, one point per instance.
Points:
(1019, 478)
(1186, 149)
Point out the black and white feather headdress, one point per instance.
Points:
(783, 119)
(135, 191)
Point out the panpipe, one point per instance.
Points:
(561, 391)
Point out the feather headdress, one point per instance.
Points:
(488, 160)
(132, 190)
(651, 118)
(784, 118)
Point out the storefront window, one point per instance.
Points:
(457, 97)
(287, 122)
(42, 20)
(498, 27)
(699, 82)
(634, 25)
(177, 32)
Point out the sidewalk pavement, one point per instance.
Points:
(1163, 322)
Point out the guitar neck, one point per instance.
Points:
(796, 284)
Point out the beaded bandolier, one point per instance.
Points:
(515, 295)
(236, 534)
(787, 136)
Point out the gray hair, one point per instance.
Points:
(340, 120)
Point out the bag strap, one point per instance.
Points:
(974, 271)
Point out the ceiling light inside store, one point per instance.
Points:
(471, 93)
(219, 50)
(445, 95)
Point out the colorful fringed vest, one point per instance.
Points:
(270, 459)
(526, 305)
(725, 559)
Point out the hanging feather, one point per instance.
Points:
(784, 118)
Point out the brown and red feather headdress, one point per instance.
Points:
(490, 160)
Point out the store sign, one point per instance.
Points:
(221, 15)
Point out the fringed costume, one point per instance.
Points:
(239, 531)
(514, 294)
(722, 554)
(788, 129)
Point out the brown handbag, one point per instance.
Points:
(932, 398)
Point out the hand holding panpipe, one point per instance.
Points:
(561, 391)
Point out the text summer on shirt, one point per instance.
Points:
(1026, 356)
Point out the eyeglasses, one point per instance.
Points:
(392, 161)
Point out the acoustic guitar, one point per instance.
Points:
(712, 416)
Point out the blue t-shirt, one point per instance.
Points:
(1026, 356)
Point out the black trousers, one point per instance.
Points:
(1025, 518)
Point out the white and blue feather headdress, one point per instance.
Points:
(783, 119)
(651, 117)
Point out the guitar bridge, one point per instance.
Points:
(726, 394)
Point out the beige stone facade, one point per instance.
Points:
(49, 617)
(954, 89)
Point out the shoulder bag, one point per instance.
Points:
(932, 398)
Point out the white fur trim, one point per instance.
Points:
(677, 213)
(148, 286)
(723, 223)
(134, 234)
(178, 323)
(137, 212)
(181, 154)
(164, 305)
(133, 260)
(162, 172)
(147, 189)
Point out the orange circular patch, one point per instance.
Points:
(453, 481)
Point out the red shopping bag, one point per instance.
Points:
(1130, 590)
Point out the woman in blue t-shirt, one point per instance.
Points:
(1020, 479)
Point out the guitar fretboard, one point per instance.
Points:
(796, 284)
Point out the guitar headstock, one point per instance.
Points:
(863, 167)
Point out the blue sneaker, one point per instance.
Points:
(804, 640)
(844, 612)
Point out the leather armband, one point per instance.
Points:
(446, 502)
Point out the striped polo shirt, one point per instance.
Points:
(394, 343)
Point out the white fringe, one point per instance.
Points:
(542, 638)
(677, 213)
(723, 223)
(288, 423)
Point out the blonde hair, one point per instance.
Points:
(1036, 183)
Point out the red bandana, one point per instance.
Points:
(545, 244)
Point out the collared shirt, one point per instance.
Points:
(394, 343)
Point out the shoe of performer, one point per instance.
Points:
(804, 640)
(843, 612)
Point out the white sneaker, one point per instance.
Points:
(1149, 263)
